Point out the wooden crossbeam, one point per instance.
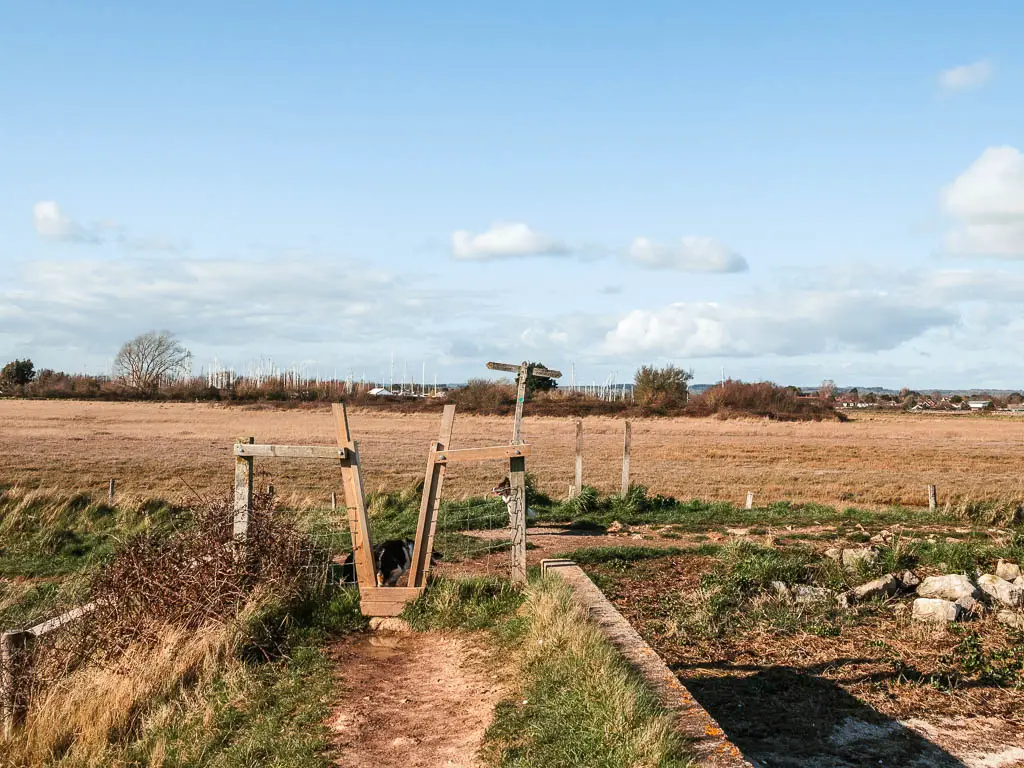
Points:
(65, 618)
(291, 451)
(482, 454)
(534, 370)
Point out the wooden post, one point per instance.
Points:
(355, 500)
(579, 455)
(110, 491)
(517, 516)
(432, 485)
(625, 456)
(243, 496)
(750, 500)
(933, 498)
(13, 660)
(524, 373)
(334, 501)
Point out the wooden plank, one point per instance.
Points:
(243, 495)
(535, 370)
(579, 455)
(482, 454)
(290, 451)
(59, 621)
(433, 482)
(933, 498)
(382, 609)
(389, 594)
(627, 436)
(355, 500)
(517, 517)
(517, 424)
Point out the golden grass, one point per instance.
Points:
(78, 718)
(874, 460)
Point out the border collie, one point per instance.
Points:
(392, 559)
(504, 491)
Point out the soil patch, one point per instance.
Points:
(416, 700)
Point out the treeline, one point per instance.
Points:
(656, 392)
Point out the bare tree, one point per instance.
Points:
(150, 359)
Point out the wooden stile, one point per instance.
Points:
(355, 500)
(433, 483)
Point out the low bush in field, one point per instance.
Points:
(737, 398)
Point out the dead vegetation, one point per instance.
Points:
(874, 460)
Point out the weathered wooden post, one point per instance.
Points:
(14, 648)
(243, 496)
(110, 491)
(579, 455)
(627, 434)
(517, 521)
(334, 501)
(933, 498)
(750, 500)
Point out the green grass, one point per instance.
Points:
(639, 507)
(579, 704)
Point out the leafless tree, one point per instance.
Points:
(151, 359)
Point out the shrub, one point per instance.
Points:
(737, 398)
(661, 386)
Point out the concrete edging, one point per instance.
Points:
(693, 721)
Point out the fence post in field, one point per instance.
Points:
(517, 483)
(750, 500)
(334, 501)
(243, 496)
(110, 491)
(933, 498)
(627, 435)
(13, 702)
(579, 455)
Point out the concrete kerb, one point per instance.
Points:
(693, 721)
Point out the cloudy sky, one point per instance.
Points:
(789, 190)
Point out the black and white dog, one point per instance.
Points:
(504, 491)
(392, 559)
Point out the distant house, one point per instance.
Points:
(381, 392)
(978, 405)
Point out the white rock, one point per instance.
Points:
(884, 587)
(854, 557)
(910, 580)
(1011, 619)
(389, 624)
(970, 605)
(1001, 590)
(1008, 571)
(951, 587)
(936, 609)
(806, 594)
(834, 553)
(1019, 582)
(617, 527)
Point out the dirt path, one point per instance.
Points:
(417, 700)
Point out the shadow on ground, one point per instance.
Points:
(781, 717)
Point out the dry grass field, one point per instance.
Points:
(162, 449)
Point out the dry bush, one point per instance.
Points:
(737, 398)
(484, 396)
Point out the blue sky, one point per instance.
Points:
(794, 191)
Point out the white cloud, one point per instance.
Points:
(811, 322)
(51, 223)
(967, 76)
(504, 241)
(692, 254)
(987, 200)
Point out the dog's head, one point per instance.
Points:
(503, 490)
